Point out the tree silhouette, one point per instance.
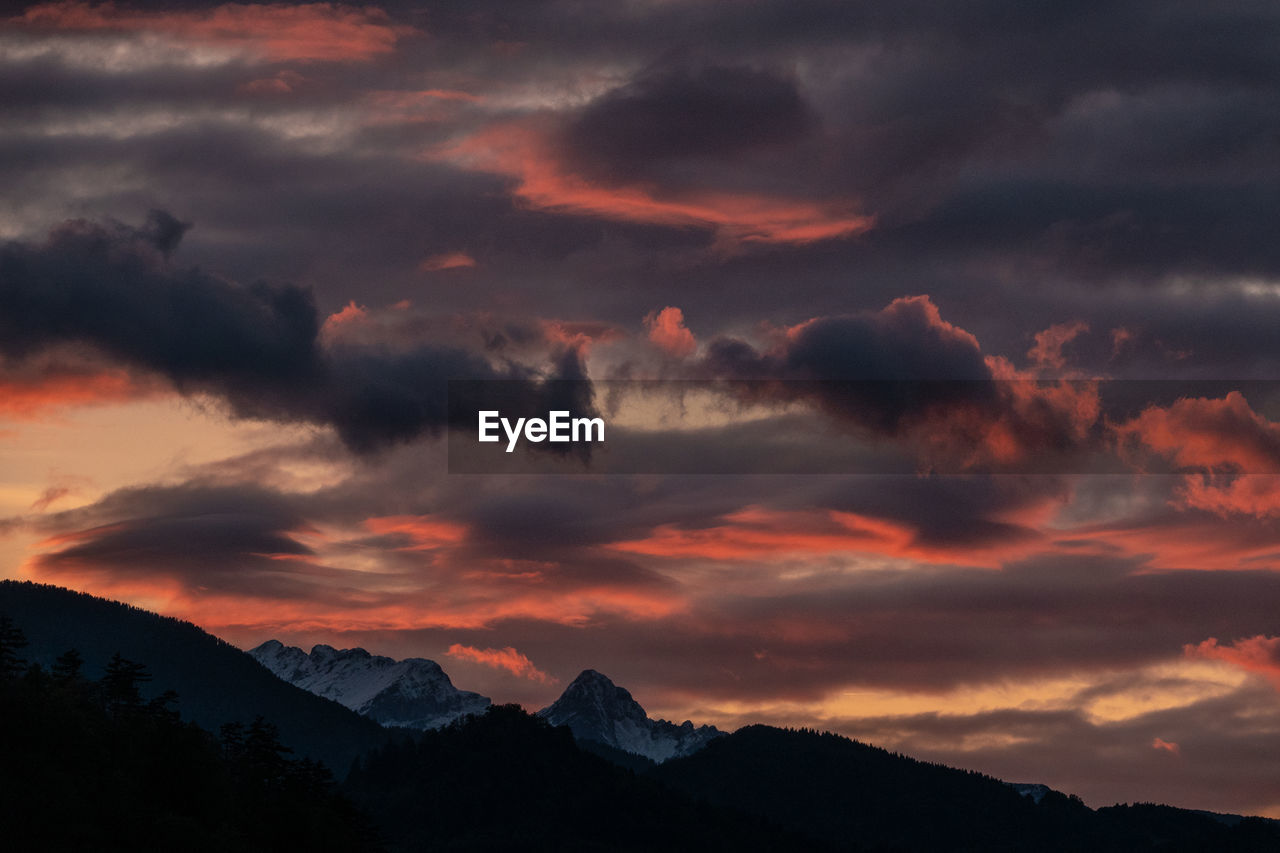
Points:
(92, 766)
(120, 683)
(68, 667)
(12, 641)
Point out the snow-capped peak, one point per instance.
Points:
(596, 709)
(414, 692)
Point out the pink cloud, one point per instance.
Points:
(1259, 654)
(328, 32)
(350, 315)
(508, 658)
(1047, 351)
(523, 151)
(31, 395)
(668, 332)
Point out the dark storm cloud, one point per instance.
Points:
(667, 114)
(907, 374)
(907, 341)
(898, 363)
(258, 347)
(1052, 149)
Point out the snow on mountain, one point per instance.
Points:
(1034, 790)
(596, 709)
(414, 693)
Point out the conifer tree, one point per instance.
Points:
(68, 667)
(121, 682)
(12, 641)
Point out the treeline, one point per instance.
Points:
(507, 780)
(95, 756)
(89, 764)
(859, 797)
(217, 683)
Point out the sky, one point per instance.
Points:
(243, 248)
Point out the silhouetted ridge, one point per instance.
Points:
(856, 796)
(90, 765)
(216, 682)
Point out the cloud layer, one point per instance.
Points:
(269, 234)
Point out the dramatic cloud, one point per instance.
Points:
(1223, 436)
(1231, 450)
(1260, 654)
(525, 152)
(906, 373)
(258, 347)
(749, 200)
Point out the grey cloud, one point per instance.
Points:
(257, 347)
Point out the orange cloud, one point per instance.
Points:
(579, 336)
(509, 659)
(328, 32)
(1166, 745)
(755, 533)
(30, 397)
(1259, 654)
(1196, 543)
(521, 150)
(667, 331)
(447, 261)
(1257, 494)
(1236, 449)
(1223, 435)
(423, 531)
(382, 603)
(350, 315)
(1047, 351)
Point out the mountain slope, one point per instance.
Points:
(414, 693)
(856, 796)
(88, 766)
(216, 682)
(597, 710)
(508, 781)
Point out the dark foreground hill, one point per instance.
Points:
(216, 683)
(90, 765)
(86, 763)
(858, 797)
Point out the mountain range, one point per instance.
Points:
(414, 693)
(496, 779)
